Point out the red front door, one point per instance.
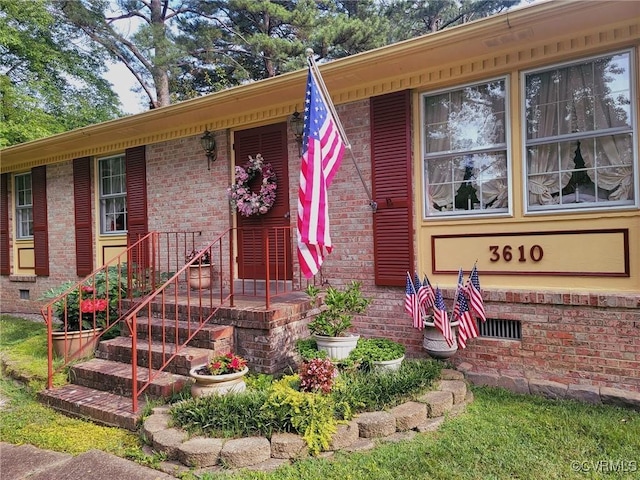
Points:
(271, 142)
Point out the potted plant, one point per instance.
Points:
(378, 354)
(222, 374)
(82, 311)
(331, 325)
(200, 270)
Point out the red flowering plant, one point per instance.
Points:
(317, 374)
(223, 364)
(91, 303)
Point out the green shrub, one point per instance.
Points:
(280, 406)
(378, 391)
(371, 350)
(224, 415)
(310, 414)
(339, 308)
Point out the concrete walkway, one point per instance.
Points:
(18, 462)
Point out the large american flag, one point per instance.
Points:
(441, 318)
(475, 295)
(323, 149)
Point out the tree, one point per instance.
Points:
(410, 18)
(49, 82)
(180, 49)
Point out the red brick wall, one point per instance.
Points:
(581, 339)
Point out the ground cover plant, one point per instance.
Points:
(310, 408)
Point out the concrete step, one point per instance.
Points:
(101, 407)
(119, 350)
(214, 337)
(115, 377)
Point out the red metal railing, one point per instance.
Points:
(158, 289)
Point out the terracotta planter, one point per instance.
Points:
(206, 385)
(435, 344)
(68, 344)
(337, 348)
(200, 277)
(388, 365)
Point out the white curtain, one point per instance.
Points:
(581, 99)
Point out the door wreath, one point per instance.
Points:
(245, 201)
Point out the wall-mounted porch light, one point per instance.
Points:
(208, 143)
(296, 122)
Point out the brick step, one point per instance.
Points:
(115, 377)
(101, 407)
(119, 350)
(214, 337)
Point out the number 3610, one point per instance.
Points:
(507, 253)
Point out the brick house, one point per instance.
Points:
(511, 141)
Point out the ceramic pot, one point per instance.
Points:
(388, 365)
(69, 344)
(337, 348)
(200, 277)
(206, 385)
(435, 344)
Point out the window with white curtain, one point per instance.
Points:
(24, 206)
(113, 195)
(580, 138)
(465, 150)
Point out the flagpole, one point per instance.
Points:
(315, 71)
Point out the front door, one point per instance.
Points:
(271, 142)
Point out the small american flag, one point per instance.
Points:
(441, 318)
(411, 304)
(475, 295)
(426, 294)
(459, 287)
(323, 149)
(467, 328)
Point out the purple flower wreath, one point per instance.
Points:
(245, 201)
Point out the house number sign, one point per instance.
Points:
(601, 253)
(507, 253)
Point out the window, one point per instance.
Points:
(113, 195)
(24, 206)
(579, 135)
(465, 150)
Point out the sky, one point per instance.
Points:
(123, 81)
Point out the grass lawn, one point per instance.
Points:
(501, 435)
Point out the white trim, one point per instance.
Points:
(424, 156)
(606, 206)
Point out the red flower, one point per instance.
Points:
(226, 363)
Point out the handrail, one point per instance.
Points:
(158, 290)
(91, 290)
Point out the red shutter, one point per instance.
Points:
(40, 227)
(84, 227)
(391, 175)
(137, 223)
(5, 268)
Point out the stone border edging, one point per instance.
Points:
(259, 453)
(554, 390)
